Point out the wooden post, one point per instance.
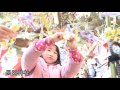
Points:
(56, 18)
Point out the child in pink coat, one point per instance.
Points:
(42, 59)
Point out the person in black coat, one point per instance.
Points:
(115, 56)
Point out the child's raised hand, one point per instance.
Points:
(57, 36)
(72, 43)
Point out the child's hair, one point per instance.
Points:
(58, 59)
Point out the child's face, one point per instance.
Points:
(50, 55)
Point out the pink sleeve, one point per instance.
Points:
(72, 68)
(30, 57)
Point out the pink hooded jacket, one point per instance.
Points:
(31, 60)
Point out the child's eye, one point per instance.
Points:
(55, 52)
(49, 50)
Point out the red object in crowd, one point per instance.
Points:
(18, 65)
(3, 51)
(105, 45)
